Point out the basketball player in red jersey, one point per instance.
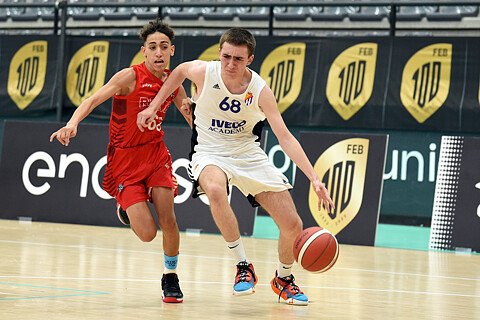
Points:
(139, 166)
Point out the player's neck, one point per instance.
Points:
(160, 74)
(237, 84)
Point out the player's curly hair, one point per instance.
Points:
(239, 37)
(156, 26)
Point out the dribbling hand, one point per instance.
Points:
(323, 195)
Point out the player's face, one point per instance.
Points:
(234, 59)
(157, 51)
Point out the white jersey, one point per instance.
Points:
(227, 123)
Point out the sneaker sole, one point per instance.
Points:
(294, 302)
(172, 300)
(244, 293)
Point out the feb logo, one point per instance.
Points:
(426, 80)
(342, 168)
(351, 78)
(282, 69)
(26, 75)
(86, 71)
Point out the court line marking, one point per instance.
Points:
(224, 258)
(84, 292)
(229, 284)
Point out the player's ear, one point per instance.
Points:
(250, 59)
(143, 51)
(172, 50)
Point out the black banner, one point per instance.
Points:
(456, 209)
(428, 84)
(351, 83)
(28, 78)
(49, 182)
(351, 167)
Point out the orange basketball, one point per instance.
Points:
(316, 249)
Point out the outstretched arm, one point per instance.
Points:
(120, 81)
(184, 108)
(292, 147)
(191, 70)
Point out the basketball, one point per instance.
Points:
(316, 249)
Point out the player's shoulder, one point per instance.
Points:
(126, 72)
(199, 64)
(195, 67)
(125, 77)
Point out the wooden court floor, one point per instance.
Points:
(61, 271)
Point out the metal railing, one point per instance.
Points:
(62, 6)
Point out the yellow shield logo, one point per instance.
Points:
(426, 80)
(26, 75)
(86, 71)
(351, 78)
(282, 69)
(342, 168)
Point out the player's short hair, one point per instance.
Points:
(239, 37)
(157, 26)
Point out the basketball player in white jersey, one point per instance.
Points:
(230, 106)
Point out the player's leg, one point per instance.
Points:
(162, 198)
(281, 208)
(213, 182)
(141, 221)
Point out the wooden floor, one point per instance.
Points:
(60, 271)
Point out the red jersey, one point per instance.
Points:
(125, 135)
(124, 132)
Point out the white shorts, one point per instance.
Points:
(250, 172)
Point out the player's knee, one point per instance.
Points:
(293, 226)
(147, 234)
(296, 225)
(216, 193)
(167, 222)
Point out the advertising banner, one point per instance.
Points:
(49, 182)
(410, 172)
(456, 209)
(28, 63)
(426, 84)
(374, 83)
(351, 166)
(351, 83)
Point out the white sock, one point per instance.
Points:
(284, 270)
(236, 247)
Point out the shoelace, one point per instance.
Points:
(288, 284)
(242, 272)
(171, 283)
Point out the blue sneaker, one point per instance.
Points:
(288, 290)
(245, 280)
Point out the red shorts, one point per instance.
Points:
(131, 172)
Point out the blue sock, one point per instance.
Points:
(170, 263)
